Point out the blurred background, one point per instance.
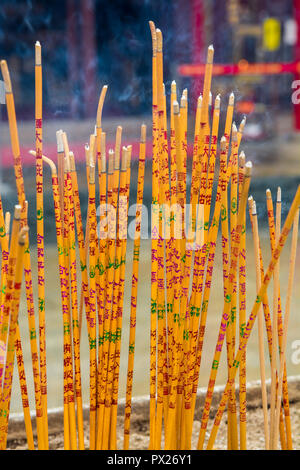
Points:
(89, 43)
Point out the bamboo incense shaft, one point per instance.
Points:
(227, 305)
(286, 321)
(265, 303)
(18, 346)
(112, 201)
(40, 230)
(242, 315)
(232, 418)
(125, 205)
(289, 443)
(163, 180)
(102, 252)
(114, 266)
(21, 193)
(260, 325)
(5, 398)
(224, 176)
(114, 311)
(81, 243)
(193, 333)
(134, 287)
(273, 444)
(63, 290)
(92, 301)
(154, 240)
(74, 305)
(68, 353)
(243, 341)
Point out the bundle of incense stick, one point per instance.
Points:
(91, 265)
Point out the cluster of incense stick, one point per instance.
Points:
(183, 246)
(182, 268)
(102, 258)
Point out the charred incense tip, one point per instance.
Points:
(124, 159)
(278, 194)
(231, 99)
(242, 124)
(38, 53)
(67, 166)
(183, 102)
(254, 208)
(72, 161)
(242, 159)
(210, 99)
(143, 133)
(17, 212)
(22, 235)
(175, 107)
(111, 158)
(268, 193)
(60, 142)
(154, 38)
(92, 172)
(159, 38)
(185, 93)
(223, 143)
(173, 87)
(218, 101)
(129, 152)
(7, 222)
(100, 105)
(6, 76)
(103, 152)
(210, 54)
(234, 132)
(248, 169)
(117, 160)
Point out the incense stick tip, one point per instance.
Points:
(143, 133)
(218, 101)
(248, 169)
(231, 99)
(253, 207)
(175, 107)
(210, 54)
(268, 193)
(279, 194)
(59, 141)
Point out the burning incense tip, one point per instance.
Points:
(17, 212)
(183, 102)
(279, 194)
(159, 39)
(218, 101)
(210, 54)
(59, 140)
(6, 76)
(242, 159)
(175, 107)
(143, 133)
(210, 99)
(268, 194)
(111, 157)
(199, 102)
(248, 169)
(38, 53)
(231, 99)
